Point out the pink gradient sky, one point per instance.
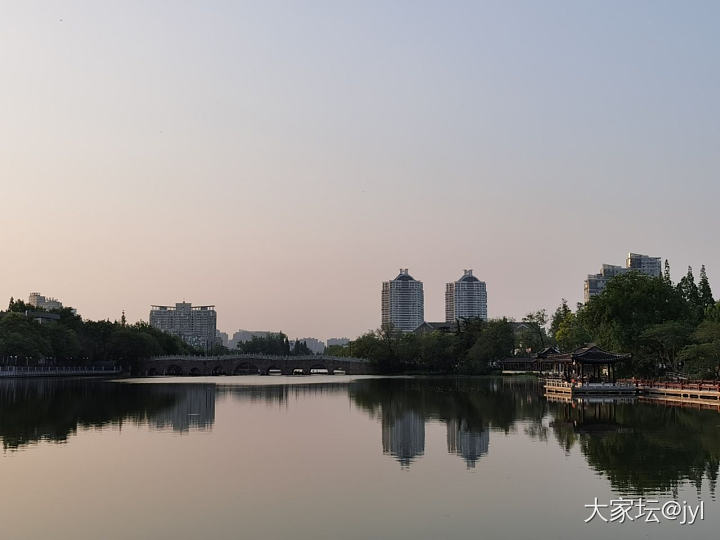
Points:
(281, 161)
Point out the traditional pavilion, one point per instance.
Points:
(586, 364)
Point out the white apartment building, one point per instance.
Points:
(595, 283)
(37, 300)
(466, 297)
(195, 325)
(403, 303)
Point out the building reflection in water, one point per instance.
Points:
(404, 437)
(193, 409)
(469, 444)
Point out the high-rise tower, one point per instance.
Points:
(466, 297)
(403, 302)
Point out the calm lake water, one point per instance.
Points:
(334, 457)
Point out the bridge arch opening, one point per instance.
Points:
(152, 372)
(218, 370)
(319, 369)
(195, 372)
(246, 368)
(173, 370)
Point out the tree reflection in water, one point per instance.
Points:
(642, 448)
(33, 410)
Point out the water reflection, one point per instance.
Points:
(641, 448)
(467, 443)
(468, 407)
(403, 436)
(193, 408)
(279, 394)
(54, 409)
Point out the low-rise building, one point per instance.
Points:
(37, 300)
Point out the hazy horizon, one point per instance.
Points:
(281, 160)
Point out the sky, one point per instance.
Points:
(281, 159)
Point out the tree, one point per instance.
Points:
(495, 343)
(704, 291)
(272, 343)
(571, 333)
(666, 273)
(128, 345)
(300, 348)
(702, 358)
(630, 304)
(560, 314)
(535, 338)
(22, 338)
(63, 341)
(690, 293)
(664, 341)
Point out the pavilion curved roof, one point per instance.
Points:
(590, 354)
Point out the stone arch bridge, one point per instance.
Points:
(252, 364)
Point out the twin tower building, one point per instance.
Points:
(403, 304)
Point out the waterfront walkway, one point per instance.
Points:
(8, 372)
(697, 392)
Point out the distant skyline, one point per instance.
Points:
(281, 161)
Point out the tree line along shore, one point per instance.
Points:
(670, 330)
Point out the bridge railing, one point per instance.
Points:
(40, 371)
(252, 356)
(711, 386)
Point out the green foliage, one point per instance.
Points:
(702, 357)
(704, 291)
(495, 342)
(471, 348)
(630, 304)
(70, 340)
(273, 343)
(691, 294)
(300, 348)
(534, 338)
(338, 350)
(664, 341)
(561, 313)
(668, 329)
(571, 333)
